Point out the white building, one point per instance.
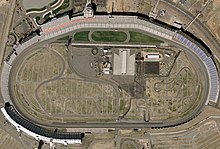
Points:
(88, 11)
(153, 56)
(124, 63)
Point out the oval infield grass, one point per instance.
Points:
(109, 36)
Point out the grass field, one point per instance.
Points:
(109, 36)
(64, 98)
(37, 18)
(143, 38)
(81, 36)
(115, 36)
(47, 16)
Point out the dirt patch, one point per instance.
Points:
(214, 25)
(3, 2)
(105, 144)
(122, 5)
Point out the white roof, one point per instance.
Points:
(153, 56)
(37, 136)
(124, 63)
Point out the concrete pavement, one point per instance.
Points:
(63, 25)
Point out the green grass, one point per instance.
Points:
(151, 50)
(109, 36)
(143, 38)
(122, 105)
(47, 16)
(65, 5)
(81, 36)
(37, 18)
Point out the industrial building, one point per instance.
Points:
(124, 63)
(152, 56)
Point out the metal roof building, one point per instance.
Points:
(124, 63)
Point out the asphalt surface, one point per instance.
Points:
(214, 44)
(119, 124)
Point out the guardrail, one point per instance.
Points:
(56, 28)
(212, 71)
(40, 133)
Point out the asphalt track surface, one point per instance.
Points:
(119, 124)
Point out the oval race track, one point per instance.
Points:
(64, 25)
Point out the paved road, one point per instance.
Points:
(213, 43)
(137, 125)
(119, 124)
(195, 112)
(50, 79)
(6, 28)
(118, 45)
(94, 79)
